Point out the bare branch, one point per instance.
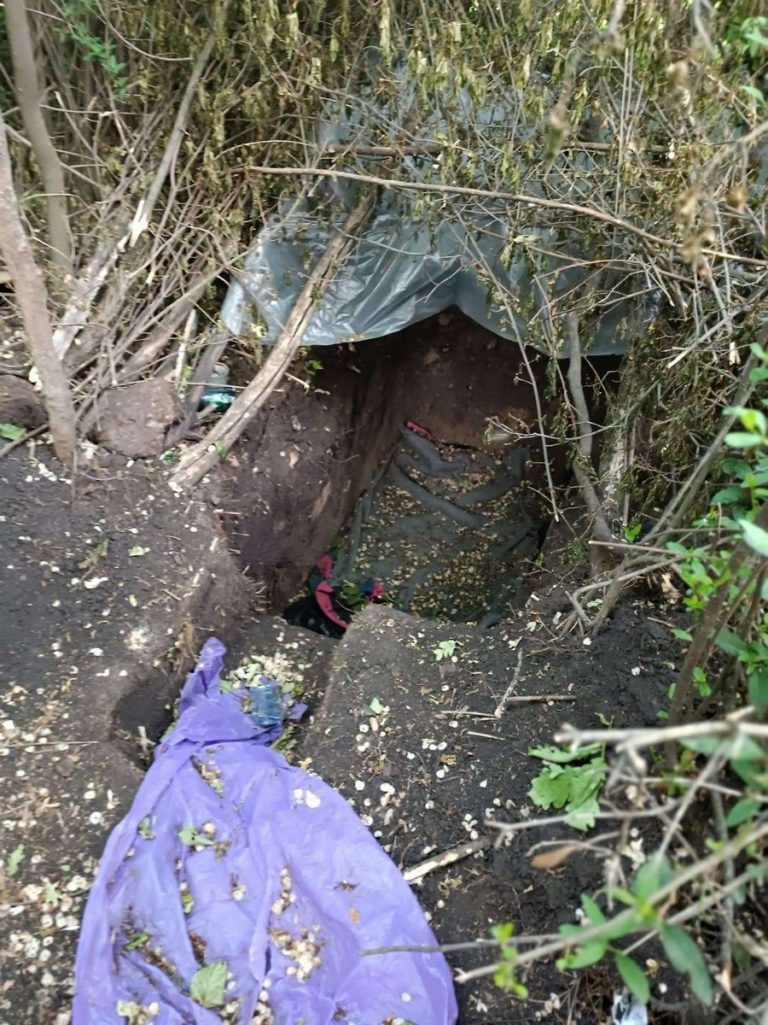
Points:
(196, 462)
(25, 80)
(32, 298)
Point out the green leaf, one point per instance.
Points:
(444, 649)
(682, 635)
(190, 836)
(11, 432)
(15, 858)
(745, 749)
(634, 978)
(53, 894)
(376, 707)
(137, 550)
(742, 957)
(502, 931)
(588, 954)
(684, 955)
(550, 789)
(208, 984)
(730, 642)
(623, 895)
(754, 92)
(742, 810)
(756, 537)
(583, 817)
(743, 439)
(591, 910)
(702, 745)
(651, 876)
(137, 941)
(587, 779)
(758, 688)
(753, 420)
(563, 756)
(726, 495)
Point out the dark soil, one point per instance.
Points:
(109, 587)
(112, 583)
(428, 771)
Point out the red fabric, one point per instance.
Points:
(325, 566)
(417, 429)
(323, 597)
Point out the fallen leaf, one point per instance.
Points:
(94, 582)
(137, 550)
(15, 858)
(354, 914)
(554, 857)
(207, 985)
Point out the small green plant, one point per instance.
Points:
(445, 649)
(576, 551)
(78, 16)
(506, 975)
(751, 35)
(351, 596)
(726, 591)
(632, 532)
(312, 366)
(644, 905)
(570, 780)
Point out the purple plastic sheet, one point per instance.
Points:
(234, 859)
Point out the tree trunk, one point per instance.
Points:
(32, 300)
(26, 86)
(199, 459)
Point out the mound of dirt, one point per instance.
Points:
(415, 744)
(109, 585)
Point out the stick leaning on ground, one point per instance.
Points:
(199, 459)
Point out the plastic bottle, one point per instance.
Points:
(217, 392)
(266, 703)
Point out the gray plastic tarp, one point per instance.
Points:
(415, 258)
(404, 271)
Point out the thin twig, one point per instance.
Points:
(449, 857)
(513, 683)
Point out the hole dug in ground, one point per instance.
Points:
(390, 479)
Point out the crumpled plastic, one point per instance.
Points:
(232, 857)
(408, 265)
(403, 271)
(626, 1011)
